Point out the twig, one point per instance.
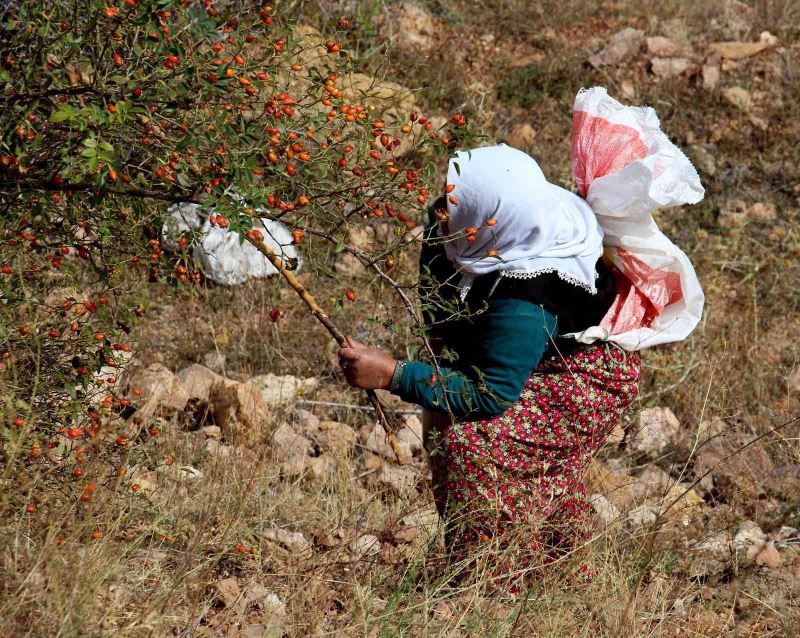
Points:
(334, 331)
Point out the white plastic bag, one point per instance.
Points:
(221, 254)
(626, 168)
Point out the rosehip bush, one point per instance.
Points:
(113, 110)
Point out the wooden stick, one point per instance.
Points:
(334, 331)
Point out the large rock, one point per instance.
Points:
(711, 556)
(279, 390)
(160, 389)
(657, 429)
(198, 380)
(622, 45)
(409, 27)
(411, 434)
(662, 47)
(238, 409)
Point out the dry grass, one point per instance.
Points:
(58, 581)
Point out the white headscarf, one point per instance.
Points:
(539, 227)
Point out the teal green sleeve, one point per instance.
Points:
(508, 342)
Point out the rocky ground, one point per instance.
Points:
(274, 506)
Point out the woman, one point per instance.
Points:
(512, 264)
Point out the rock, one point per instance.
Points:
(227, 590)
(522, 136)
(662, 47)
(627, 89)
(375, 440)
(306, 422)
(670, 67)
(279, 390)
(704, 160)
(793, 380)
(681, 503)
(614, 484)
(265, 599)
(209, 432)
(642, 516)
(405, 535)
(606, 511)
(215, 361)
(786, 533)
(337, 437)
(364, 546)
(651, 482)
(749, 534)
(765, 554)
(215, 448)
(409, 27)
(161, 390)
(738, 97)
(411, 434)
(400, 478)
(657, 428)
(711, 75)
(742, 50)
(763, 212)
(733, 214)
(737, 466)
(294, 542)
(623, 44)
(197, 380)
(348, 265)
(426, 520)
(712, 556)
(291, 449)
(767, 38)
(322, 466)
(239, 409)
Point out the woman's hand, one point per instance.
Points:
(367, 368)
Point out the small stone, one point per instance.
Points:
(208, 432)
(765, 555)
(291, 449)
(606, 511)
(767, 38)
(295, 542)
(712, 556)
(364, 546)
(239, 409)
(749, 534)
(642, 516)
(786, 533)
(711, 76)
(670, 67)
(198, 380)
(337, 437)
(622, 44)
(375, 440)
(662, 47)
(738, 97)
(405, 534)
(793, 380)
(400, 478)
(322, 466)
(348, 265)
(652, 481)
(657, 429)
(280, 390)
(627, 89)
(161, 390)
(308, 422)
(215, 361)
(738, 50)
(763, 212)
(522, 136)
(426, 520)
(409, 27)
(227, 590)
(411, 433)
(704, 160)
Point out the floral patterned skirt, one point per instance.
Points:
(517, 479)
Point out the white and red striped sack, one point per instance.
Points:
(626, 168)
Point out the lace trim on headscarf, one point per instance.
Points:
(466, 284)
